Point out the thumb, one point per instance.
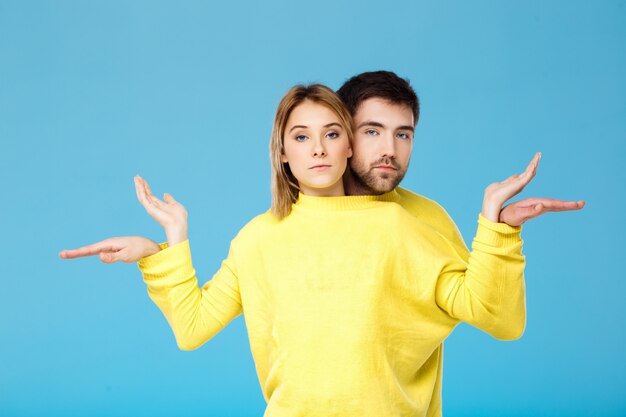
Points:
(168, 198)
(107, 257)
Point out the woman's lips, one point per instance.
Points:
(319, 167)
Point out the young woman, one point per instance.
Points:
(346, 299)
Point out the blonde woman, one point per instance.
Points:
(345, 298)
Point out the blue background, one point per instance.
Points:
(183, 93)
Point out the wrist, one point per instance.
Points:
(491, 210)
(176, 235)
(152, 249)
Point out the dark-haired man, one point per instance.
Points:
(385, 110)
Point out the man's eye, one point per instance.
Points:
(300, 138)
(371, 132)
(403, 136)
(332, 135)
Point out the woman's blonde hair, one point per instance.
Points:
(285, 186)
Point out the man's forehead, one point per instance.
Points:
(379, 109)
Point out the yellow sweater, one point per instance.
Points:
(347, 302)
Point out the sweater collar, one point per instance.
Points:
(344, 202)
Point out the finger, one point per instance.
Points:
(144, 197)
(511, 178)
(551, 204)
(169, 199)
(540, 208)
(138, 188)
(147, 187)
(149, 196)
(532, 212)
(109, 257)
(565, 206)
(531, 169)
(149, 201)
(89, 250)
(80, 252)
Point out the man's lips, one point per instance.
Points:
(386, 167)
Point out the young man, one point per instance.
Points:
(385, 110)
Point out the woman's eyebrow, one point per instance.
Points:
(306, 127)
(298, 126)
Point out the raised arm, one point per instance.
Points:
(490, 294)
(195, 314)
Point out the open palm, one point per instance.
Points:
(169, 213)
(515, 214)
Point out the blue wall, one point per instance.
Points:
(183, 93)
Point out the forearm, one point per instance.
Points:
(194, 314)
(490, 292)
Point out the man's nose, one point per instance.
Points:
(388, 146)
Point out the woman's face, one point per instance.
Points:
(316, 148)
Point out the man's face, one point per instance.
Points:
(382, 144)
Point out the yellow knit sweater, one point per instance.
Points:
(347, 301)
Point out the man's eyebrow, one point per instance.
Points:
(370, 123)
(378, 124)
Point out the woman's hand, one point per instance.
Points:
(169, 213)
(498, 193)
(116, 249)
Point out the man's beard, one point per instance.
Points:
(376, 182)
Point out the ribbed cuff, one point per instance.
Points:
(167, 259)
(497, 234)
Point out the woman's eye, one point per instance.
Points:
(332, 135)
(300, 138)
(371, 132)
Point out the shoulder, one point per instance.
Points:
(258, 226)
(412, 202)
(431, 213)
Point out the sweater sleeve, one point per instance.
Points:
(194, 314)
(488, 291)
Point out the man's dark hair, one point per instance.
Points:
(382, 84)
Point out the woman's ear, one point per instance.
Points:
(283, 158)
(349, 151)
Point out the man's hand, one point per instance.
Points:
(516, 214)
(168, 213)
(498, 193)
(116, 249)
